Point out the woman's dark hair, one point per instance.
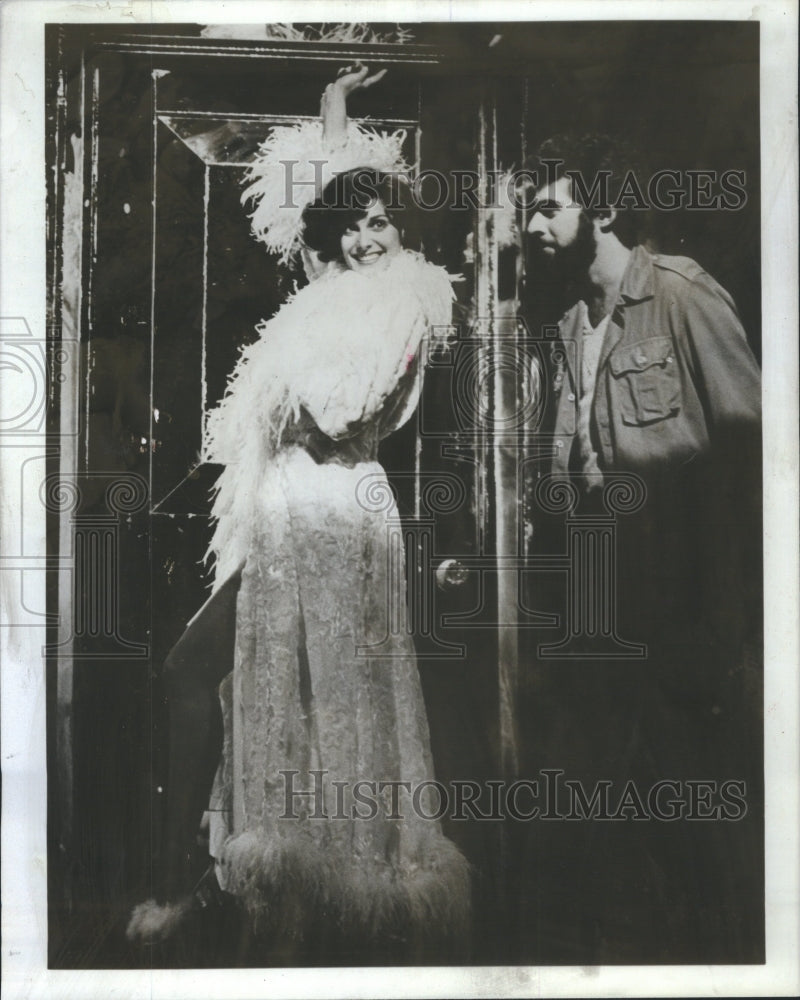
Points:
(347, 198)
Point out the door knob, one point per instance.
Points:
(451, 573)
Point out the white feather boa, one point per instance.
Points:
(292, 167)
(337, 350)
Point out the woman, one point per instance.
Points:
(322, 800)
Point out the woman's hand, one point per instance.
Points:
(333, 109)
(355, 77)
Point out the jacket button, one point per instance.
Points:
(571, 397)
(641, 358)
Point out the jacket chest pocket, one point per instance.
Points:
(647, 381)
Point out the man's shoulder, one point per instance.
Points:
(684, 267)
(687, 281)
(652, 274)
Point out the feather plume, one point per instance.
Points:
(325, 32)
(292, 167)
(152, 921)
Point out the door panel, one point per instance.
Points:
(172, 277)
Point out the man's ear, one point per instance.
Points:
(604, 219)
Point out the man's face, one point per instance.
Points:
(560, 235)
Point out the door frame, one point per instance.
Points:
(72, 147)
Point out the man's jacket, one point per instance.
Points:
(677, 403)
(676, 376)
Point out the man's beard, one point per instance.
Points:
(567, 270)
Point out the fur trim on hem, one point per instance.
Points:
(290, 885)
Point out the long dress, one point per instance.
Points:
(324, 715)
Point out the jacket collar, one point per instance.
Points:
(637, 286)
(637, 281)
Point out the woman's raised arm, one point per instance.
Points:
(317, 150)
(333, 107)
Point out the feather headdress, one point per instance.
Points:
(292, 167)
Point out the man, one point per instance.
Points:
(653, 383)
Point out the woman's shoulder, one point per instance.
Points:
(342, 313)
(417, 263)
(407, 273)
(431, 285)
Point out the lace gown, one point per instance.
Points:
(324, 712)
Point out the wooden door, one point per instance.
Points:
(155, 273)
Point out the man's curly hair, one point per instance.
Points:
(606, 172)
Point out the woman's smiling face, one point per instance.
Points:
(372, 239)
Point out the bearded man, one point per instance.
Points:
(653, 381)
